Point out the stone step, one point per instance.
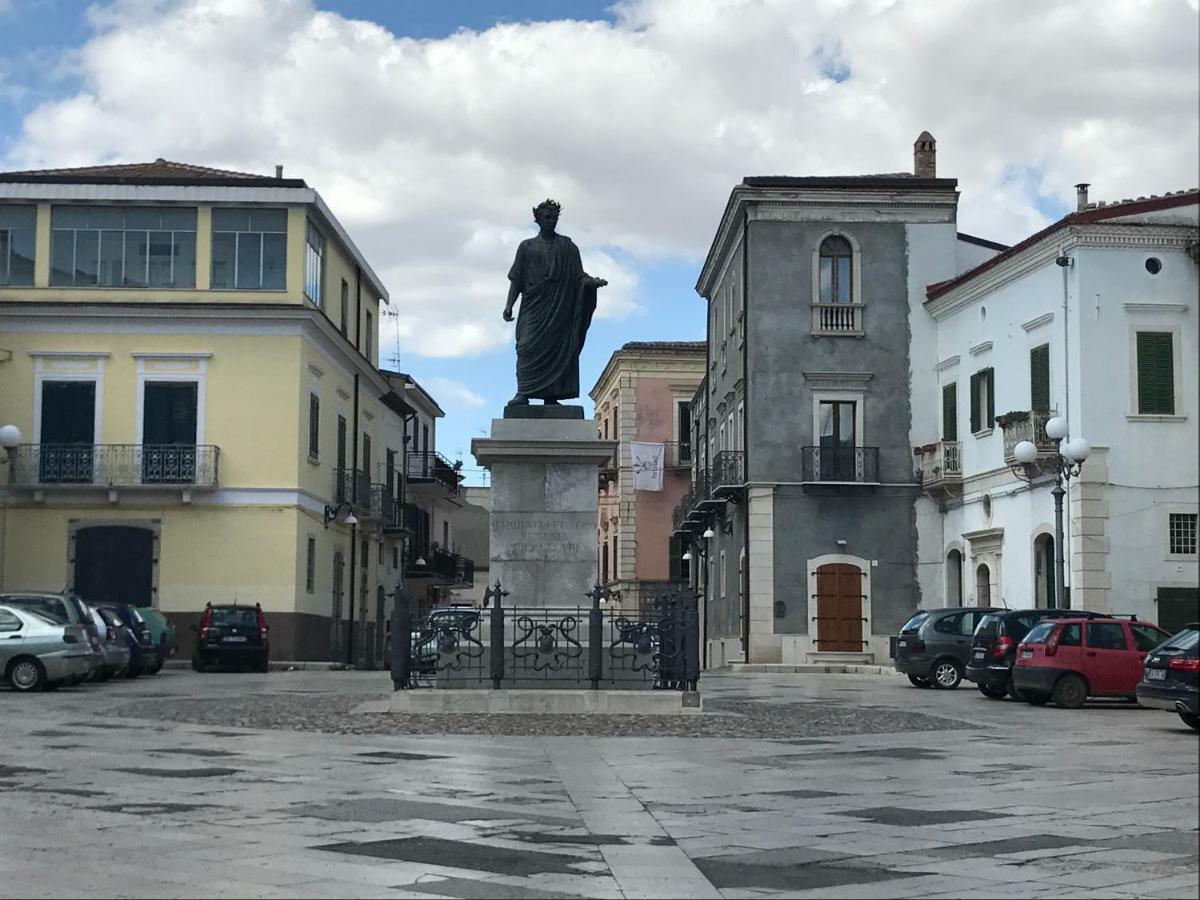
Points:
(813, 668)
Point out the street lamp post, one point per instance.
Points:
(1064, 464)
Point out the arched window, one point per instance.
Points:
(836, 262)
(983, 585)
(954, 578)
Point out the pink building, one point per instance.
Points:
(643, 401)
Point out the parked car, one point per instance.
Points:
(1069, 660)
(994, 647)
(136, 635)
(1171, 676)
(113, 647)
(232, 635)
(934, 646)
(440, 632)
(162, 635)
(64, 607)
(38, 651)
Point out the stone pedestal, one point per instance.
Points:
(544, 507)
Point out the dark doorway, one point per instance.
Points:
(1043, 570)
(839, 608)
(837, 441)
(1177, 607)
(115, 564)
(68, 431)
(169, 432)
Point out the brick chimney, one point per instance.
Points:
(925, 156)
(1081, 200)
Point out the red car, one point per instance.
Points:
(1069, 660)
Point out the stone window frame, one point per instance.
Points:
(855, 266)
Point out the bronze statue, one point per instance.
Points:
(557, 302)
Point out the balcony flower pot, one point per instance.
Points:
(1011, 418)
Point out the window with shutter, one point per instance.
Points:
(989, 377)
(950, 412)
(314, 426)
(1155, 373)
(976, 408)
(1039, 378)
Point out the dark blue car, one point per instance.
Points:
(143, 655)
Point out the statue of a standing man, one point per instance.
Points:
(557, 302)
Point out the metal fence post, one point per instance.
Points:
(691, 643)
(496, 647)
(596, 638)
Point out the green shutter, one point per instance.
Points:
(1155, 373)
(976, 412)
(1039, 378)
(950, 412)
(990, 375)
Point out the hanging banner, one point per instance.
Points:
(647, 466)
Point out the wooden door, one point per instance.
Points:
(839, 608)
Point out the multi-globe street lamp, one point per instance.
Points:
(1064, 464)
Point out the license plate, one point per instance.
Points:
(1026, 654)
(980, 653)
(235, 640)
(1156, 674)
(903, 643)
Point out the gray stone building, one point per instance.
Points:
(804, 507)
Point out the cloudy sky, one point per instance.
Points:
(432, 128)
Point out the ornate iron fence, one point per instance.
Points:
(552, 647)
(114, 465)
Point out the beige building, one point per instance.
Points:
(644, 397)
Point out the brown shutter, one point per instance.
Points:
(990, 375)
(1039, 378)
(950, 412)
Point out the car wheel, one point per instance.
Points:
(946, 674)
(992, 693)
(198, 665)
(1037, 699)
(133, 672)
(919, 681)
(1070, 692)
(1011, 689)
(27, 675)
(1191, 719)
(264, 665)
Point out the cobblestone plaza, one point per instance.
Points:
(832, 786)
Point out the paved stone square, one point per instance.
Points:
(246, 785)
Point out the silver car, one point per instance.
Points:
(113, 647)
(36, 651)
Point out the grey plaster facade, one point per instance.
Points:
(772, 361)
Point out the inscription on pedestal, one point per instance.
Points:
(547, 537)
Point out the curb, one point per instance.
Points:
(280, 665)
(813, 669)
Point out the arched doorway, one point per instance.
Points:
(983, 585)
(1043, 571)
(839, 608)
(336, 646)
(954, 578)
(115, 564)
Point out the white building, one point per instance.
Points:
(1093, 318)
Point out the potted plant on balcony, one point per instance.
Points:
(1011, 418)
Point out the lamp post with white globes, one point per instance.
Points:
(1064, 464)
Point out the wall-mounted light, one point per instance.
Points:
(841, 542)
(709, 534)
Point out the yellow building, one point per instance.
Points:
(190, 355)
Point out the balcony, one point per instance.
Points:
(431, 468)
(728, 473)
(840, 465)
(1026, 426)
(109, 466)
(352, 486)
(678, 455)
(441, 567)
(939, 464)
(844, 319)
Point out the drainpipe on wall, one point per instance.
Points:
(353, 528)
(744, 576)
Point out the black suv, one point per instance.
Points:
(231, 635)
(933, 646)
(994, 647)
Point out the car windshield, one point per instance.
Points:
(1188, 639)
(49, 618)
(987, 627)
(915, 622)
(1039, 633)
(234, 615)
(53, 607)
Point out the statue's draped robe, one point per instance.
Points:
(556, 309)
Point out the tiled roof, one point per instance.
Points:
(664, 345)
(1093, 212)
(160, 171)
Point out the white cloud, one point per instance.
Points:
(453, 393)
(432, 152)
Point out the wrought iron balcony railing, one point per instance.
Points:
(114, 465)
(678, 455)
(728, 470)
(1026, 426)
(430, 467)
(837, 318)
(840, 464)
(939, 462)
(441, 565)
